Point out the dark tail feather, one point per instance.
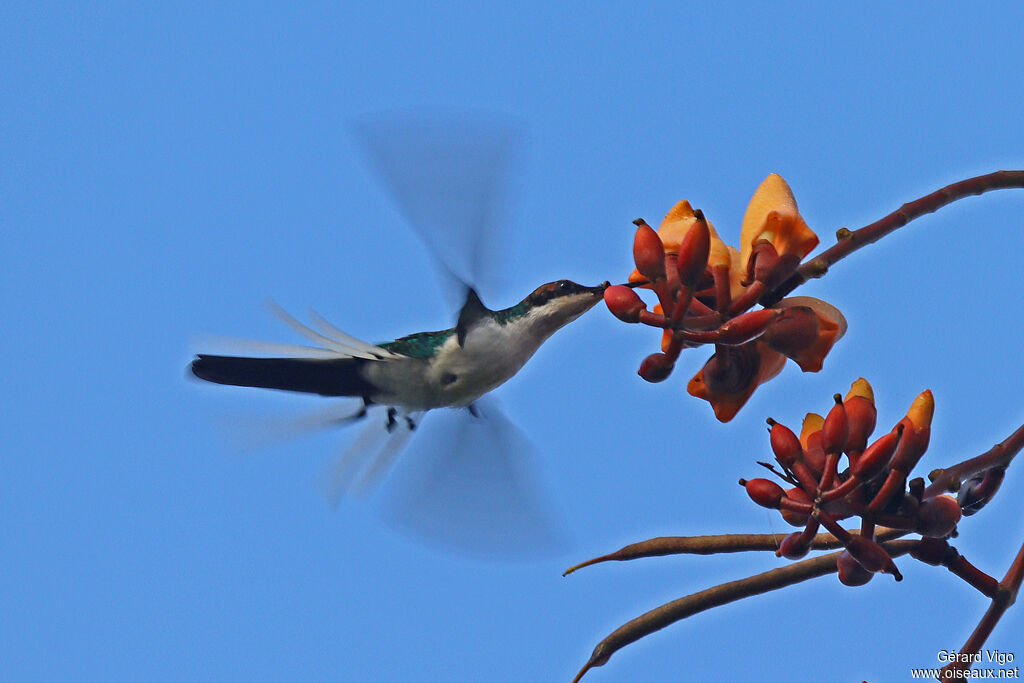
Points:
(331, 377)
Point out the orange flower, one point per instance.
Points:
(772, 215)
(727, 381)
(674, 226)
(806, 331)
(774, 238)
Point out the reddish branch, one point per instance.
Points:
(1005, 596)
(850, 241)
(1000, 455)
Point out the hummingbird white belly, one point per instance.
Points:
(456, 375)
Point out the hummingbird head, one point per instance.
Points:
(558, 303)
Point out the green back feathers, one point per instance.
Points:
(505, 315)
(419, 345)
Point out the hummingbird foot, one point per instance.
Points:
(410, 423)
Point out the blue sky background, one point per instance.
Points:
(164, 170)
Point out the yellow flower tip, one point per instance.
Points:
(861, 388)
(772, 214)
(681, 211)
(812, 425)
(922, 409)
(674, 226)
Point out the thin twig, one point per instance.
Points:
(712, 545)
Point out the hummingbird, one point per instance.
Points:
(452, 368)
(470, 483)
(449, 368)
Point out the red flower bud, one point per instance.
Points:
(794, 546)
(912, 446)
(918, 429)
(746, 327)
(872, 556)
(656, 367)
(693, 252)
(792, 517)
(648, 252)
(836, 430)
(874, 459)
(764, 492)
(937, 517)
(763, 260)
(814, 456)
(861, 412)
(769, 266)
(785, 444)
(851, 573)
(624, 303)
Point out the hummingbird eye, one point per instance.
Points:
(563, 286)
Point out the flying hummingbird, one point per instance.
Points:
(444, 369)
(477, 479)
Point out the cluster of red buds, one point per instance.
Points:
(872, 486)
(706, 291)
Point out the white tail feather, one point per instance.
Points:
(340, 335)
(355, 351)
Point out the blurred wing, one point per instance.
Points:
(266, 427)
(449, 176)
(470, 483)
(360, 469)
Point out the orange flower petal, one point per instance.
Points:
(666, 335)
(772, 215)
(635, 276)
(728, 385)
(737, 273)
(677, 222)
(806, 340)
(812, 425)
